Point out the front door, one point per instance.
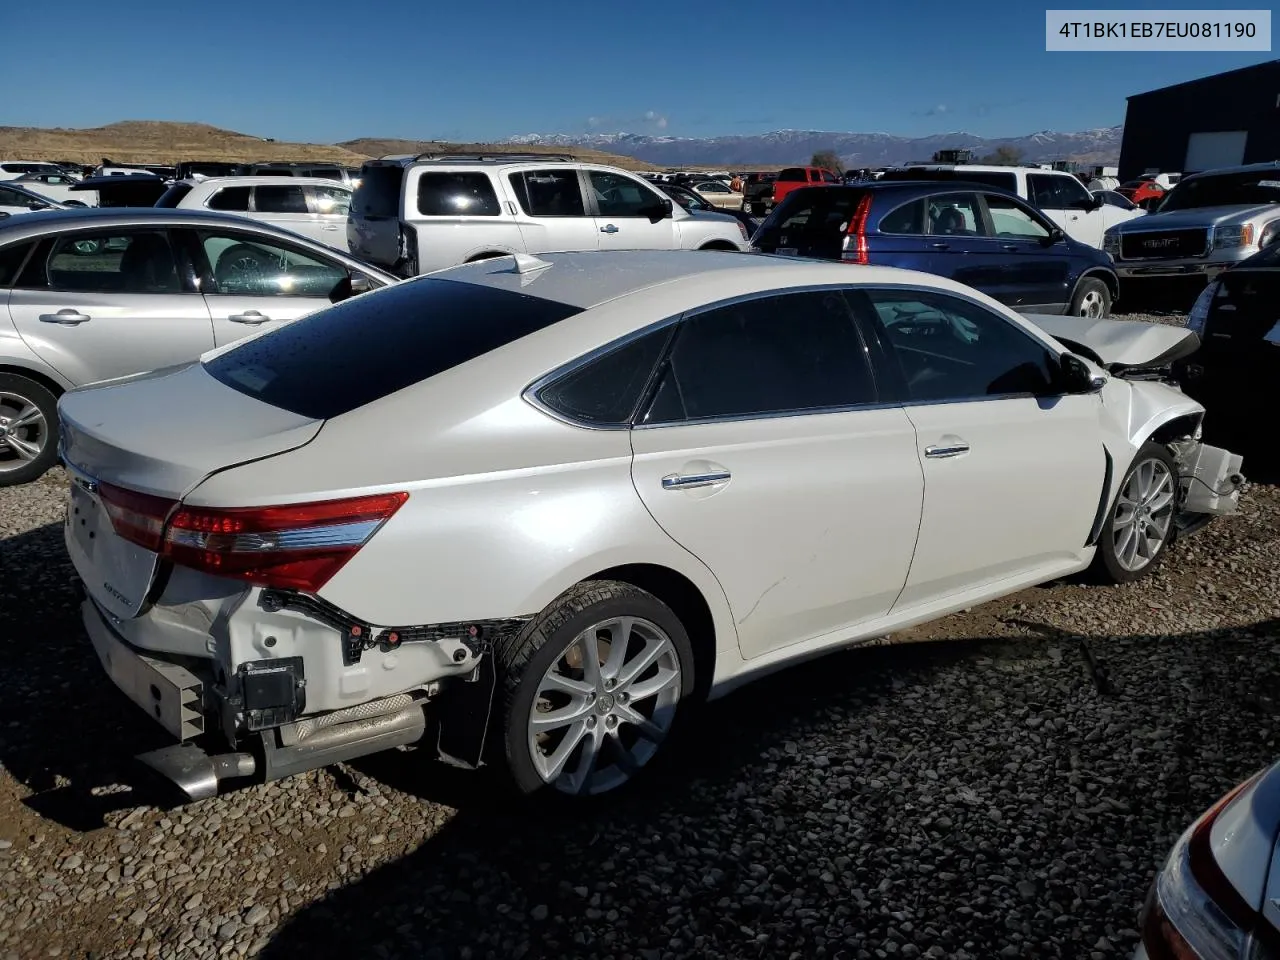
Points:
(1037, 271)
(763, 455)
(1067, 203)
(1013, 472)
(959, 244)
(624, 213)
(100, 304)
(251, 283)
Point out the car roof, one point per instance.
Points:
(591, 278)
(12, 185)
(264, 179)
(925, 186)
(1244, 168)
(980, 168)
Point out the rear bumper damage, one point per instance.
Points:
(252, 724)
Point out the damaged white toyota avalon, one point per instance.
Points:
(539, 505)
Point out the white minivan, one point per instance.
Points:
(312, 206)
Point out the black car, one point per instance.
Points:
(690, 200)
(974, 233)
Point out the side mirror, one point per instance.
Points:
(1056, 235)
(1075, 376)
(659, 211)
(352, 285)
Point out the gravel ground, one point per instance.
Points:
(987, 797)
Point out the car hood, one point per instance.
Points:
(1195, 217)
(1119, 344)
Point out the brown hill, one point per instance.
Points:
(160, 141)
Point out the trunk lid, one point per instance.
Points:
(158, 435)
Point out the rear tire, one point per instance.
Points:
(1091, 299)
(588, 731)
(1140, 525)
(28, 429)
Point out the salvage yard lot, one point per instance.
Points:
(990, 796)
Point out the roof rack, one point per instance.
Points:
(489, 157)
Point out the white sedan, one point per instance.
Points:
(718, 194)
(598, 485)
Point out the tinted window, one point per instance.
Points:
(829, 177)
(951, 349)
(1049, 192)
(1111, 198)
(16, 198)
(379, 343)
(786, 353)
(331, 200)
(229, 198)
(379, 192)
(606, 390)
(457, 195)
(279, 199)
(549, 193)
(173, 196)
(994, 178)
(955, 215)
(793, 174)
(908, 218)
(1009, 219)
(243, 265)
(11, 258)
(1225, 190)
(620, 196)
(132, 262)
(325, 173)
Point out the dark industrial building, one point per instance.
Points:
(1219, 121)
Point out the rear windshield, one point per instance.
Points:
(1005, 181)
(379, 192)
(173, 196)
(813, 212)
(379, 343)
(1225, 190)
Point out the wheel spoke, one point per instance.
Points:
(553, 765)
(28, 416)
(619, 641)
(25, 450)
(653, 649)
(644, 726)
(623, 758)
(643, 689)
(554, 680)
(561, 717)
(590, 650)
(580, 779)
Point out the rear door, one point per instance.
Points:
(285, 206)
(765, 454)
(623, 208)
(100, 304)
(551, 211)
(1067, 203)
(329, 206)
(252, 283)
(1037, 272)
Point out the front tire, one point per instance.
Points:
(592, 688)
(28, 429)
(1091, 299)
(1140, 525)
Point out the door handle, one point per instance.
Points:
(67, 317)
(676, 481)
(940, 246)
(1011, 247)
(249, 316)
(608, 228)
(942, 451)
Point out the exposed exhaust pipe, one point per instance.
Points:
(196, 773)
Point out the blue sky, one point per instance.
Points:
(329, 70)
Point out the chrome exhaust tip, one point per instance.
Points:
(195, 773)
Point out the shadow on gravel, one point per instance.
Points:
(732, 837)
(62, 724)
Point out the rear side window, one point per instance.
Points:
(457, 195)
(908, 219)
(330, 200)
(11, 262)
(230, 198)
(379, 192)
(606, 390)
(380, 343)
(173, 196)
(549, 193)
(793, 175)
(274, 199)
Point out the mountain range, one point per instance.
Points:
(854, 149)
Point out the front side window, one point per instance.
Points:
(549, 193)
(620, 196)
(714, 188)
(16, 198)
(1052, 192)
(606, 390)
(1009, 219)
(788, 353)
(793, 175)
(828, 177)
(457, 195)
(134, 262)
(279, 199)
(953, 350)
(11, 258)
(332, 201)
(955, 215)
(243, 265)
(230, 198)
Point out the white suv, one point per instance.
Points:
(415, 215)
(312, 206)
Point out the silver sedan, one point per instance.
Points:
(98, 294)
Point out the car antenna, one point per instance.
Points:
(529, 264)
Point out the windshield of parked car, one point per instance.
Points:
(1225, 190)
(379, 343)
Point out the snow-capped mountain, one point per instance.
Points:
(854, 149)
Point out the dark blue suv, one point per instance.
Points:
(977, 234)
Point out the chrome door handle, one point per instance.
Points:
(677, 482)
(68, 317)
(939, 452)
(940, 246)
(249, 316)
(1011, 247)
(608, 228)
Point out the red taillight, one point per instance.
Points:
(296, 546)
(858, 231)
(137, 517)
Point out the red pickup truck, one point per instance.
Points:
(791, 178)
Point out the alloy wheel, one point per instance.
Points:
(1092, 305)
(24, 432)
(1143, 515)
(604, 706)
